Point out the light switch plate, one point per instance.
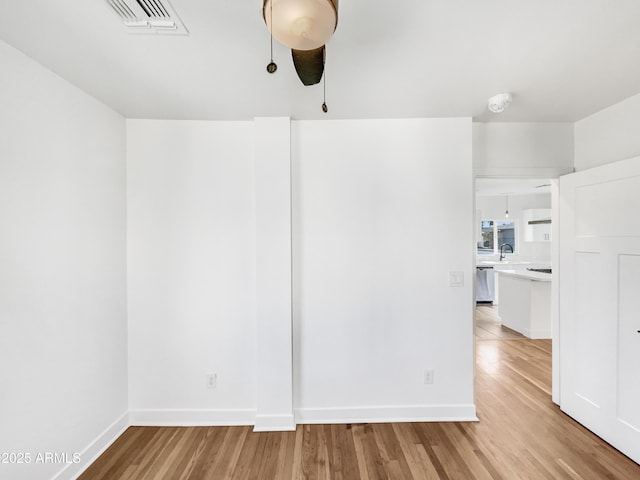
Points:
(456, 279)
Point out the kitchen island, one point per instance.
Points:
(525, 302)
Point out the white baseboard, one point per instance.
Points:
(192, 418)
(274, 423)
(94, 449)
(386, 414)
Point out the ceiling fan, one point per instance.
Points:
(305, 26)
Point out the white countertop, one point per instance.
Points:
(526, 274)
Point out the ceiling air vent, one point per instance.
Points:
(149, 16)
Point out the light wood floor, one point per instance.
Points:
(521, 435)
(488, 326)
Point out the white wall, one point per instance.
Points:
(493, 207)
(63, 357)
(537, 150)
(382, 212)
(609, 135)
(373, 243)
(191, 271)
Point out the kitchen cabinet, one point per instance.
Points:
(525, 304)
(537, 224)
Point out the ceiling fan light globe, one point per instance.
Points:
(301, 24)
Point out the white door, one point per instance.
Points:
(600, 301)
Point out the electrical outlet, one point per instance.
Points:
(428, 376)
(211, 380)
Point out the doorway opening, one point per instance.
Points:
(514, 251)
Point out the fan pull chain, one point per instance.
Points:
(272, 67)
(324, 82)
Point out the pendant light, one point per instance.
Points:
(506, 212)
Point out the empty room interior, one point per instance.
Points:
(279, 239)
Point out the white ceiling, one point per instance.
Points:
(489, 187)
(561, 59)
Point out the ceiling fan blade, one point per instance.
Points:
(309, 64)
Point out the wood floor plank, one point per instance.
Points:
(358, 434)
(393, 452)
(427, 445)
(344, 444)
(209, 453)
(521, 435)
(373, 458)
(488, 325)
(310, 453)
(467, 451)
(284, 462)
(487, 459)
(233, 448)
(246, 456)
(414, 453)
(298, 473)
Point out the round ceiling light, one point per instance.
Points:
(499, 102)
(301, 24)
